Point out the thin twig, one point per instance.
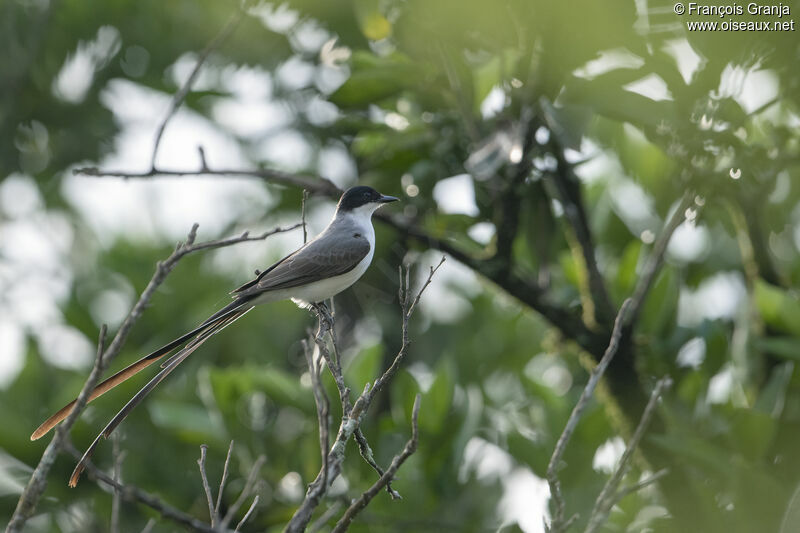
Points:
(201, 463)
(244, 237)
(131, 493)
(639, 485)
(119, 456)
(410, 447)
(351, 418)
(323, 407)
(325, 326)
(180, 96)
(246, 491)
(656, 257)
(322, 521)
(247, 514)
(148, 527)
(408, 309)
(317, 184)
(366, 453)
(558, 523)
(38, 482)
(223, 479)
(609, 495)
(567, 186)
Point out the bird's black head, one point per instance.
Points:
(356, 197)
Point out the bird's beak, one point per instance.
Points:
(386, 199)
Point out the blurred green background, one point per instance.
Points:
(495, 122)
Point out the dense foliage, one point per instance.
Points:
(579, 126)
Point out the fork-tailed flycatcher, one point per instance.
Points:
(320, 269)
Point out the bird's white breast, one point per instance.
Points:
(358, 220)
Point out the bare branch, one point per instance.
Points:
(246, 491)
(567, 187)
(609, 495)
(134, 494)
(244, 237)
(119, 456)
(351, 417)
(366, 453)
(656, 257)
(201, 463)
(639, 485)
(558, 524)
(408, 305)
(180, 96)
(325, 326)
(247, 514)
(323, 407)
(315, 184)
(223, 479)
(410, 447)
(148, 527)
(329, 513)
(424, 286)
(33, 491)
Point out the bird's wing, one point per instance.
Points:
(319, 259)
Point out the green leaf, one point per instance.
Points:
(280, 386)
(783, 347)
(752, 433)
(375, 78)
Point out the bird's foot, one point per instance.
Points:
(324, 314)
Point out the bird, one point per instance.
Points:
(315, 272)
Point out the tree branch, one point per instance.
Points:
(361, 503)
(36, 485)
(610, 493)
(223, 479)
(315, 184)
(656, 257)
(119, 456)
(249, 485)
(351, 416)
(201, 463)
(180, 96)
(134, 494)
(559, 524)
(567, 186)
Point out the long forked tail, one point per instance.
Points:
(203, 333)
(129, 371)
